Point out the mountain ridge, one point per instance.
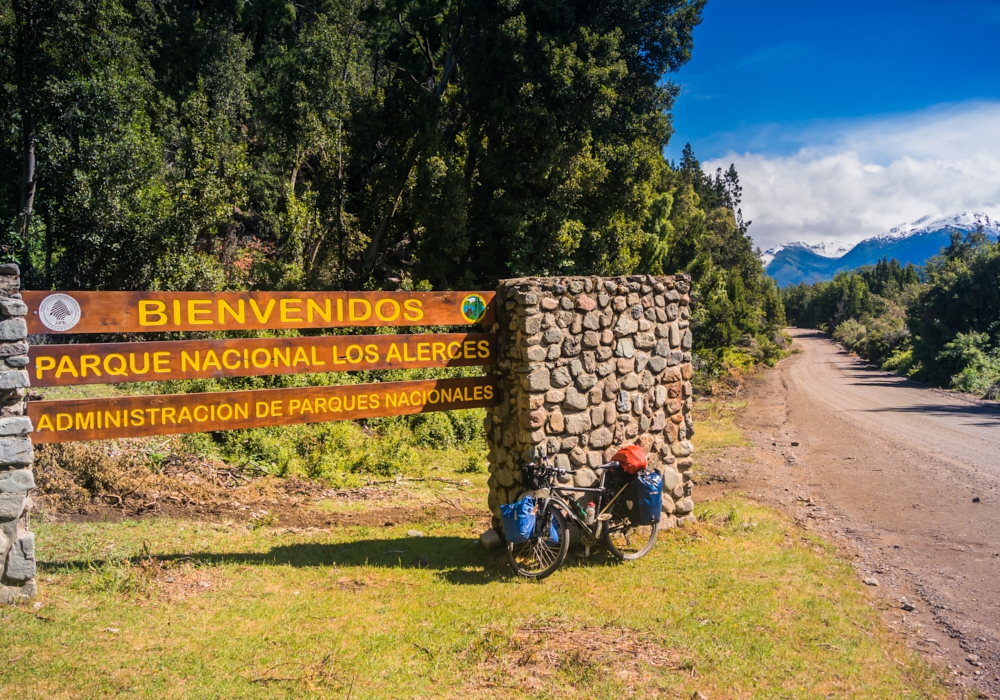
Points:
(914, 242)
(827, 249)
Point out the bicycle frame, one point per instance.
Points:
(600, 491)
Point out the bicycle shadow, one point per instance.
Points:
(457, 560)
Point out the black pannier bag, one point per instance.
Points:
(627, 504)
(642, 500)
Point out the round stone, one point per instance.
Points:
(684, 506)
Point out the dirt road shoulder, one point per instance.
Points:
(875, 499)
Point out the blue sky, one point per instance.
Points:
(779, 86)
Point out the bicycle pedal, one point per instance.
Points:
(604, 517)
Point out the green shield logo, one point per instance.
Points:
(473, 308)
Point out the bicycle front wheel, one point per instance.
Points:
(626, 541)
(542, 554)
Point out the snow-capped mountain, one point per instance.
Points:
(828, 249)
(967, 221)
(913, 242)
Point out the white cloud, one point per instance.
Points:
(853, 179)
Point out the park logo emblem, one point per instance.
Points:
(473, 308)
(59, 312)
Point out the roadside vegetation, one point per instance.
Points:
(936, 324)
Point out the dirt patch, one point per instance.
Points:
(81, 482)
(176, 580)
(548, 653)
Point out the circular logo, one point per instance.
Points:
(59, 312)
(473, 307)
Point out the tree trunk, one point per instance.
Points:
(47, 219)
(371, 254)
(24, 60)
(28, 184)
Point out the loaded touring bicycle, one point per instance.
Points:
(622, 511)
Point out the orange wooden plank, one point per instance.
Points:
(113, 363)
(136, 416)
(154, 312)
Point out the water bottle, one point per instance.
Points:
(580, 510)
(591, 513)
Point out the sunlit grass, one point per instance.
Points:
(714, 426)
(742, 605)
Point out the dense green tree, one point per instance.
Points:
(214, 144)
(887, 278)
(332, 143)
(538, 148)
(961, 298)
(695, 223)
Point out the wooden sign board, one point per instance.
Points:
(113, 363)
(155, 312)
(138, 416)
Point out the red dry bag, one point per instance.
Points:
(631, 458)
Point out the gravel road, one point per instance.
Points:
(906, 477)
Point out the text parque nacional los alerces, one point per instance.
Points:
(110, 363)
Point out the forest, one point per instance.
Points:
(937, 324)
(205, 145)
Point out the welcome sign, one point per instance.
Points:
(57, 313)
(157, 312)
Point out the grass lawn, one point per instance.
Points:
(714, 426)
(742, 605)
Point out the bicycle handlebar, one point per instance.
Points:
(552, 469)
(549, 468)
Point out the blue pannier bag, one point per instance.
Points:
(518, 520)
(650, 486)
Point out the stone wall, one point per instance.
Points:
(586, 365)
(17, 543)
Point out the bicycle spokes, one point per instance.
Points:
(535, 555)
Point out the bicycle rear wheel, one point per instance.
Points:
(626, 541)
(540, 556)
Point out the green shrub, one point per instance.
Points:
(468, 424)
(884, 335)
(386, 455)
(433, 430)
(331, 449)
(980, 364)
(900, 361)
(475, 461)
(850, 333)
(978, 379)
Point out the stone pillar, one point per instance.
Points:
(586, 365)
(17, 543)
